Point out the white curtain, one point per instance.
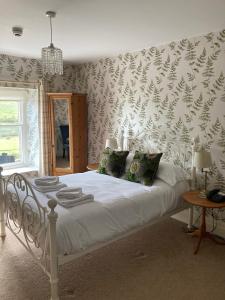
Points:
(44, 132)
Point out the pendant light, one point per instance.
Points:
(52, 59)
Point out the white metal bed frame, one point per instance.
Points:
(28, 221)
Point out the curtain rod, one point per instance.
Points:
(27, 82)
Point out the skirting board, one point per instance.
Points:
(183, 217)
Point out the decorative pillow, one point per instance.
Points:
(113, 162)
(144, 167)
(170, 174)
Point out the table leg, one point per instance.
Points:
(202, 230)
(190, 219)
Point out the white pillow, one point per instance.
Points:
(128, 163)
(170, 174)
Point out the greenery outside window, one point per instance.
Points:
(19, 129)
(12, 132)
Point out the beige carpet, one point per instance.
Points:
(154, 264)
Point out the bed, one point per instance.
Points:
(54, 235)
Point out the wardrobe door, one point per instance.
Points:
(68, 132)
(61, 134)
(79, 124)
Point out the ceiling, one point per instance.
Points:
(89, 29)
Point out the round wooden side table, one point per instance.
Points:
(194, 199)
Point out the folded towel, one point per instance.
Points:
(69, 193)
(71, 189)
(67, 203)
(46, 180)
(49, 188)
(70, 196)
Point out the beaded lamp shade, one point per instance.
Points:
(52, 58)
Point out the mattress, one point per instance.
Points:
(119, 206)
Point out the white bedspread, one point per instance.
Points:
(118, 206)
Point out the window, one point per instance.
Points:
(11, 131)
(18, 128)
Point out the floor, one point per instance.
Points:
(154, 264)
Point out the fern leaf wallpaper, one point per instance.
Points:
(176, 91)
(14, 68)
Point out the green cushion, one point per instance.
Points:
(113, 162)
(144, 167)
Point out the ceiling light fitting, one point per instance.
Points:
(52, 58)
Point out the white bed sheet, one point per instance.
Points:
(119, 206)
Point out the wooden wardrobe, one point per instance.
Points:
(68, 127)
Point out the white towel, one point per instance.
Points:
(69, 196)
(70, 203)
(67, 203)
(46, 180)
(49, 188)
(69, 193)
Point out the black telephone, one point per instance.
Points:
(216, 196)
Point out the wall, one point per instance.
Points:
(176, 91)
(23, 69)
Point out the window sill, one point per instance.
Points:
(21, 170)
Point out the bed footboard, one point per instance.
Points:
(52, 216)
(31, 223)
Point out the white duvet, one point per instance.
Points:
(119, 206)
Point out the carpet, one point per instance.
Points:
(154, 264)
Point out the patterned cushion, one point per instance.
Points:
(144, 167)
(113, 162)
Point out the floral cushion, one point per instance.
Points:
(144, 167)
(113, 162)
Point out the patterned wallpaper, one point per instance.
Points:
(176, 91)
(14, 68)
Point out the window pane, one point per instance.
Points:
(9, 112)
(9, 144)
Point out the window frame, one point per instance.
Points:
(22, 130)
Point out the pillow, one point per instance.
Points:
(144, 167)
(128, 163)
(113, 162)
(170, 174)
